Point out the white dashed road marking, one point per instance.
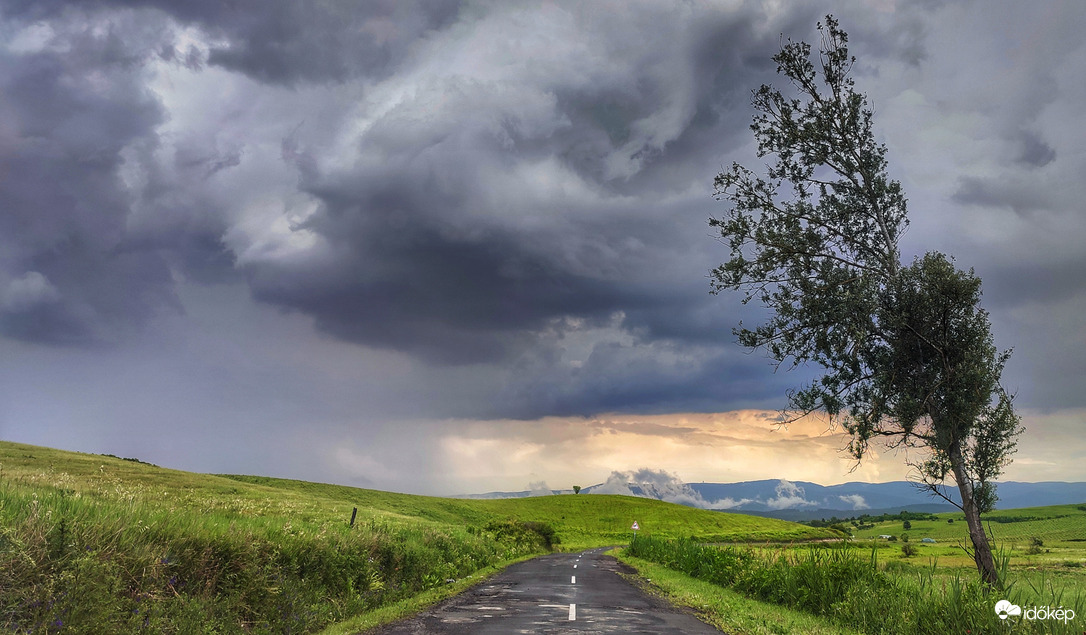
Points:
(572, 612)
(573, 580)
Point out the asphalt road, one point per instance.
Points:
(559, 593)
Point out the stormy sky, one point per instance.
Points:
(444, 247)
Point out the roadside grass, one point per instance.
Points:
(851, 588)
(728, 610)
(118, 546)
(417, 603)
(102, 566)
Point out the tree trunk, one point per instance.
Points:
(982, 551)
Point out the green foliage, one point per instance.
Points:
(909, 550)
(867, 521)
(1035, 546)
(1021, 518)
(527, 536)
(907, 352)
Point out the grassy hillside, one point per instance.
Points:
(581, 521)
(92, 543)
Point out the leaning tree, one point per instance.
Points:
(906, 351)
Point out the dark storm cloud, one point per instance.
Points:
(435, 239)
(68, 117)
(284, 41)
(516, 194)
(1035, 151)
(403, 270)
(98, 250)
(656, 381)
(447, 298)
(1021, 195)
(418, 258)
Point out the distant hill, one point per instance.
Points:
(803, 500)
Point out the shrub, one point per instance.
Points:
(524, 537)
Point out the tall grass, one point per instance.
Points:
(76, 564)
(854, 590)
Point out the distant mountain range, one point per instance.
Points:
(802, 500)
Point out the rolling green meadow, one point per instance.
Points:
(100, 544)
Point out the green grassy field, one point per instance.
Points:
(581, 521)
(1056, 523)
(92, 543)
(1050, 538)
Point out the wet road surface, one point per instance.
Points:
(558, 593)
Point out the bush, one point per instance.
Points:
(524, 537)
(909, 550)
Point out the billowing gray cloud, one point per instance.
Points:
(442, 237)
(279, 41)
(506, 203)
(69, 113)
